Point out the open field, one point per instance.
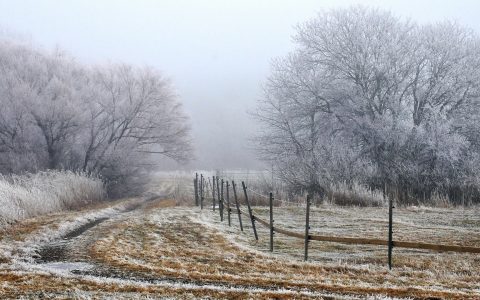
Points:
(149, 248)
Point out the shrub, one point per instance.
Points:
(29, 195)
(355, 195)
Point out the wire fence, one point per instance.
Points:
(219, 195)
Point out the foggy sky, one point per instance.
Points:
(217, 53)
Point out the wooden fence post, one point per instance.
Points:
(228, 205)
(271, 222)
(234, 186)
(219, 198)
(307, 227)
(213, 192)
(195, 191)
(201, 191)
(222, 200)
(195, 188)
(250, 210)
(390, 231)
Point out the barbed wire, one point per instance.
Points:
(274, 199)
(290, 203)
(243, 208)
(278, 201)
(258, 193)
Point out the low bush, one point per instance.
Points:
(354, 195)
(29, 195)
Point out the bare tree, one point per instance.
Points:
(111, 120)
(131, 114)
(365, 89)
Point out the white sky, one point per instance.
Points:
(217, 53)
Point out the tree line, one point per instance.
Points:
(107, 119)
(370, 98)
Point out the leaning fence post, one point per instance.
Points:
(238, 206)
(271, 222)
(250, 210)
(390, 232)
(222, 200)
(228, 206)
(307, 227)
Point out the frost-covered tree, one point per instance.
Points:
(58, 114)
(369, 97)
(131, 114)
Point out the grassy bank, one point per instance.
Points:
(29, 195)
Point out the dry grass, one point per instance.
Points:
(354, 195)
(181, 252)
(31, 195)
(41, 286)
(22, 229)
(177, 185)
(182, 244)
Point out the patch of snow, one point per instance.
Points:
(67, 266)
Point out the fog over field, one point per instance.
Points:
(239, 149)
(217, 53)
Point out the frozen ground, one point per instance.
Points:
(148, 248)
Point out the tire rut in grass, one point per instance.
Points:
(60, 250)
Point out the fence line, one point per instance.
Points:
(309, 237)
(379, 242)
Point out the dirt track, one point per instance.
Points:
(78, 269)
